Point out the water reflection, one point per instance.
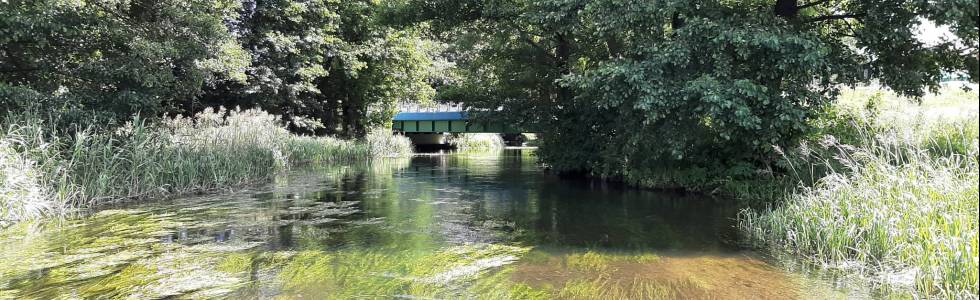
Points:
(448, 226)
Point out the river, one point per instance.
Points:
(487, 226)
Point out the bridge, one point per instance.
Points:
(443, 118)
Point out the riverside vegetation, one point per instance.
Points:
(45, 173)
(476, 142)
(747, 99)
(887, 188)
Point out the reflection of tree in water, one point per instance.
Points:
(508, 194)
(603, 216)
(504, 197)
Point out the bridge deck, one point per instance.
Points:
(444, 121)
(431, 116)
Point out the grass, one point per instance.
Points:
(46, 172)
(476, 141)
(893, 195)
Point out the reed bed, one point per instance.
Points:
(45, 172)
(898, 202)
(477, 141)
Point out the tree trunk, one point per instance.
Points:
(676, 22)
(353, 115)
(330, 116)
(143, 10)
(787, 9)
(563, 53)
(328, 111)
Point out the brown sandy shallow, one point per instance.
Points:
(691, 277)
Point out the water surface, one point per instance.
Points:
(488, 226)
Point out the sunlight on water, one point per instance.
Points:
(473, 226)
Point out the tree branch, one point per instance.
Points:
(835, 17)
(814, 3)
(526, 36)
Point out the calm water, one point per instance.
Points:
(451, 226)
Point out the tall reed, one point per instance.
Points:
(476, 141)
(899, 203)
(45, 172)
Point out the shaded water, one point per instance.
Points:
(451, 226)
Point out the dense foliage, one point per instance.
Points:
(632, 88)
(617, 88)
(325, 65)
(74, 74)
(114, 58)
(330, 62)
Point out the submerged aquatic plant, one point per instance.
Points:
(387, 272)
(594, 274)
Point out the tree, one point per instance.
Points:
(114, 58)
(626, 88)
(328, 63)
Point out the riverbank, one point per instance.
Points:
(888, 189)
(47, 173)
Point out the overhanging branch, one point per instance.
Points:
(814, 3)
(835, 17)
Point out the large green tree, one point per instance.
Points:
(326, 65)
(328, 62)
(114, 58)
(626, 88)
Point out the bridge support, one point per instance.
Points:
(427, 138)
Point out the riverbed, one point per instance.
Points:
(485, 226)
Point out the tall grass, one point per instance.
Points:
(476, 141)
(45, 172)
(382, 143)
(897, 201)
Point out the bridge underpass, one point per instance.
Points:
(431, 126)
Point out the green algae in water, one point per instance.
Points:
(372, 273)
(112, 254)
(478, 227)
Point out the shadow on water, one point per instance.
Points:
(486, 226)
